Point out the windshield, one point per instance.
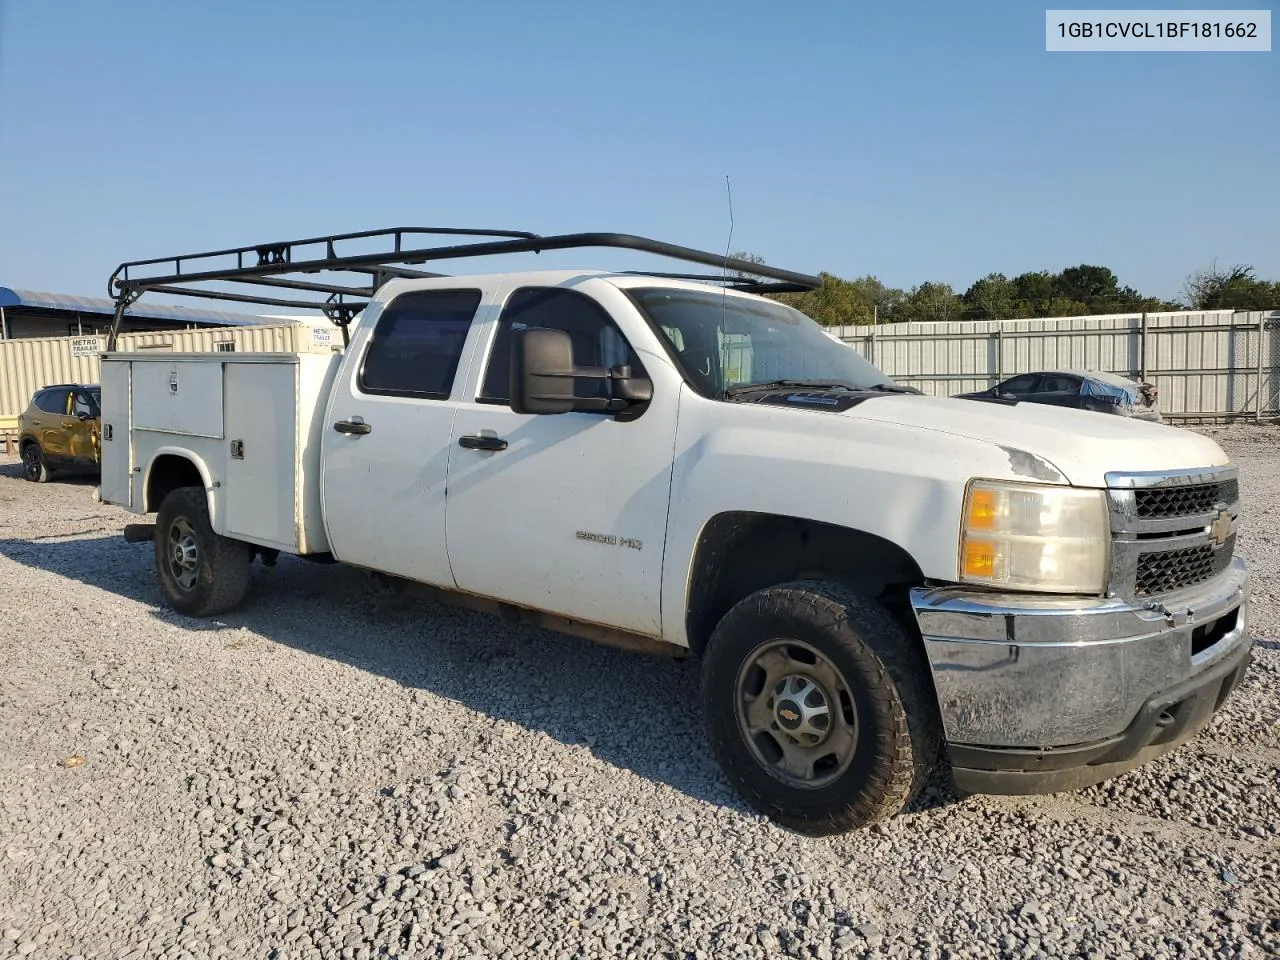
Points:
(725, 342)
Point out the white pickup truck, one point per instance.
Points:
(874, 579)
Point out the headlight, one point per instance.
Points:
(1034, 537)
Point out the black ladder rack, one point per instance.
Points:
(281, 267)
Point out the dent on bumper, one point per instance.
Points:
(1019, 671)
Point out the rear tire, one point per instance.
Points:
(202, 574)
(819, 707)
(34, 467)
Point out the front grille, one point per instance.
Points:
(1156, 503)
(1174, 569)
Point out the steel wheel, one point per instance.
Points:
(796, 712)
(184, 553)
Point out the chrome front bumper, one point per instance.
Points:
(1029, 673)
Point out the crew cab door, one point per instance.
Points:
(564, 513)
(386, 440)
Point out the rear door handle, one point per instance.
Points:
(357, 427)
(482, 443)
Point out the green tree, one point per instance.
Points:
(994, 297)
(1035, 291)
(1095, 287)
(930, 301)
(840, 301)
(1234, 289)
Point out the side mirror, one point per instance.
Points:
(629, 388)
(543, 374)
(542, 371)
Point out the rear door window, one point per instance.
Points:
(417, 345)
(53, 401)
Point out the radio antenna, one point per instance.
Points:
(724, 287)
(729, 245)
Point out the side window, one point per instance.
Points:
(597, 342)
(1057, 383)
(83, 405)
(1019, 386)
(53, 401)
(416, 346)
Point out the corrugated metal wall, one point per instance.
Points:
(26, 365)
(1211, 364)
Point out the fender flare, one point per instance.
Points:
(196, 461)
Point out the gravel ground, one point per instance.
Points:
(338, 772)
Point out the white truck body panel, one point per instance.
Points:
(249, 423)
(116, 483)
(178, 397)
(260, 492)
(1082, 445)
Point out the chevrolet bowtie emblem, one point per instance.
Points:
(1220, 529)
(789, 714)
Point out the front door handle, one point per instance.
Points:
(357, 427)
(482, 443)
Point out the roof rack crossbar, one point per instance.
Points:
(271, 264)
(778, 287)
(390, 271)
(283, 262)
(732, 281)
(242, 298)
(368, 291)
(263, 249)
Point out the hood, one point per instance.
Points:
(1079, 446)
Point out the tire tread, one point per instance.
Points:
(226, 560)
(896, 674)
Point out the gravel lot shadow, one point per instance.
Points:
(634, 711)
(79, 478)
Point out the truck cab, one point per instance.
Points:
(874, 580)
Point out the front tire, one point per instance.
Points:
(202, 574)
(34, 467)
(819, 707)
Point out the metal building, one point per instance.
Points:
(30, 313)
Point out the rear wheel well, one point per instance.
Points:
(739, 553)
(169, 472)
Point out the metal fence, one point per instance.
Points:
(1215, 365)
(1207, 366)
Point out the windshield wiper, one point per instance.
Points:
(742, 388)
(771, 384)
(893, 388)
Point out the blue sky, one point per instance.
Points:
(912, 141)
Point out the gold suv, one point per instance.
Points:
(59, 430)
